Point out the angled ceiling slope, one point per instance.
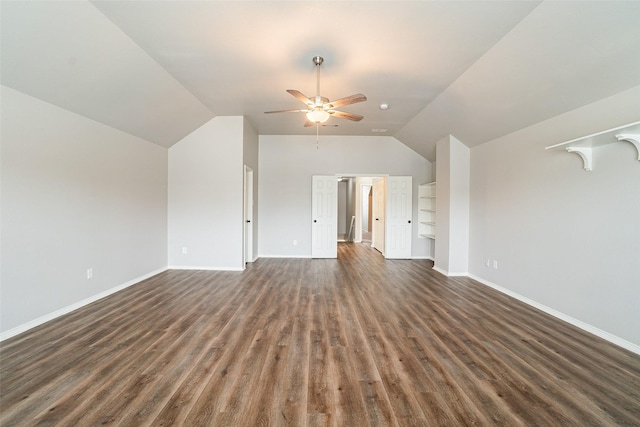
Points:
(562, 56)
(70, 55)
(477, 70)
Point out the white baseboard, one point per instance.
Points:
(208, 268)
(575, 322)
(449, 273)
(422, 257)
(68, 309)
(285, 256)
(441, 271)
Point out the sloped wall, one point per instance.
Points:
(563, 237)
(76, 195)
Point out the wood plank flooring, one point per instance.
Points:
(349, 342)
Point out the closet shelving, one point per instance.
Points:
(427, 210)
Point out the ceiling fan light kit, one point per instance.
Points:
(320, 109)
(318, 115)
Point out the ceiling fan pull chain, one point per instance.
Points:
(317, 132)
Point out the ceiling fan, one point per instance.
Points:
(320, 109)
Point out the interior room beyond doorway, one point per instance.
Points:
(357, 210)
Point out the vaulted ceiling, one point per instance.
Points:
(477, 70)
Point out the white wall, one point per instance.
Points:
(443, 207)
(206, 173)
(76, 194)
(563, 237)
(452, 207)
(287, 164)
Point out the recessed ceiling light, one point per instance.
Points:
(384, 106)
(379, 130)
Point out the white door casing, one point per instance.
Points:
(248, 215)
(398, 218)
(378, 213)
(324, 217)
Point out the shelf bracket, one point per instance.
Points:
(585, 153)
(585, 146)
(632, 138)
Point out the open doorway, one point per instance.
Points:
(356, 219)
(346, 209)
(388, 214)
(366, 212)
(366, 202)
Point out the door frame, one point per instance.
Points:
(358, 196)
(379, 236)
(247, 217)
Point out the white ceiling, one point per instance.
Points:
(477, 70)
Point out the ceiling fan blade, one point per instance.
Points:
(301, 97)
(358, 97)
(349, 116)
(287, 111)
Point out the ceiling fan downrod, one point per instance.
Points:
(318, 60)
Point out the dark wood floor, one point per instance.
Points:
(349, 342)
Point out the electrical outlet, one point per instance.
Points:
(295, 243)
(495, 264)
(184, 250)
(89, 273)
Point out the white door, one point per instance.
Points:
(248, 214)
(398, 219)
(324, 217)
(378, 214)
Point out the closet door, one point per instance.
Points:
(378, 213)
(324, 217)
(399, 214)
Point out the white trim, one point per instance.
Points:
(441, 271)
(422, 257)
(48, 317)
(207, 268)
(575, 322)
(449, 273)
(285, 256)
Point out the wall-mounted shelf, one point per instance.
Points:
(585, 145)
(427, 210)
